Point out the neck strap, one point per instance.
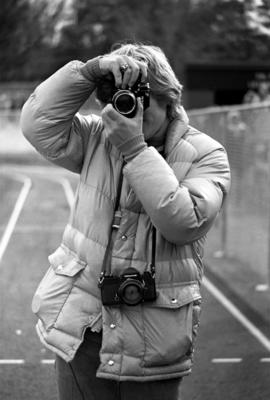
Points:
(115, 225)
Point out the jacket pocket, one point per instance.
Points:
(56, 285)
(170, 324)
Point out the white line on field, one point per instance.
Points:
(68, 191)
(52, 361)
(47, 361)
(53, 176)
(64, 182)
(11, 362)
(226, 360)
(27, 183)
(237, 313)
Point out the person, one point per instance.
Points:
(261, 95)
(251, 96)
(121, 300)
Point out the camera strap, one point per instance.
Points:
(115, 225)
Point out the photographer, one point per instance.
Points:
(121, 300)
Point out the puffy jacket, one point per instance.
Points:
(180, 193)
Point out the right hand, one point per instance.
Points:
(113, 63)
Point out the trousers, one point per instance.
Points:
(77, 379)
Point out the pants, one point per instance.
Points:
(77, 380)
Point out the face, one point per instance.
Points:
(155, 121)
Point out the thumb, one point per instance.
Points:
(109, 112)
(139, 113)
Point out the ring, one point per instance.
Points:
(124, 67)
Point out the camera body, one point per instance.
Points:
(130, 288)
(125, 100)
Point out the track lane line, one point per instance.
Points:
(70, 196)
(62, 180)
(27, 184)
(12, 362)
(47, 361)
(226, 360)
(233, 310)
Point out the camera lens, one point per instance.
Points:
(131, 292)
(124, 102)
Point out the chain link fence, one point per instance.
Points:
(242, 231)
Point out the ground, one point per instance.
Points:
(232, 358)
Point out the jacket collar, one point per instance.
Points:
(176, 130)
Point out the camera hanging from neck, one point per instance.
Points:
(131, 287)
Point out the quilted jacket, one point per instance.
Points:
(180, 193)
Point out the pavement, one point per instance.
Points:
(14, 147)
(242, 287)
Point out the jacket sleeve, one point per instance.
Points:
(183, 211)
(49, 118)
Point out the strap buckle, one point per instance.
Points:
(117, 219)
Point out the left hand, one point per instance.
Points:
(132, 68)
(121, 131)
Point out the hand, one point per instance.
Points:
(123, 77)
(125, 133)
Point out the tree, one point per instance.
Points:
(100, 23)
(201, 30)
(33, 45)
(222, 30)
(26, 27)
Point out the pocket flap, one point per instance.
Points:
(177, 296)
(65, 263)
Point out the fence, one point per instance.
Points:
(242, 231)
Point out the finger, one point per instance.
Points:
(109, 113)
(143, 70)
(117, 75)
(126, 77)
(140, 109)
(134, 70)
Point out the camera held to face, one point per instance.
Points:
(130, 288)
(125, 100)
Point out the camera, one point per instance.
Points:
(125, 100)
(130, 288)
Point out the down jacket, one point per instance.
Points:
(180, 193)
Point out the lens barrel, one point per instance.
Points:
(131, 292)
(125, 102)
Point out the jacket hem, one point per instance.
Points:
(143, 378)
(55, 350)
